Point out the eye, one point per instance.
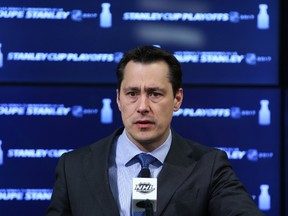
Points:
(155, 94)
(131, 93)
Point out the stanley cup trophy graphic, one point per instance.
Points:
(1, 154)
(105, 16)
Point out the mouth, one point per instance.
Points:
(144, 123)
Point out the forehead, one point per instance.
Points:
(137, 72)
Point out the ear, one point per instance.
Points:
(178, 99)
(118, 99)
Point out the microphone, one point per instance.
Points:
(144, 195)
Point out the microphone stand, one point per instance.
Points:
(147, 204)
(149, 208)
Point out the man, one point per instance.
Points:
(192, 179)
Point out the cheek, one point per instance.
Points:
(164, 112)
(126, 110)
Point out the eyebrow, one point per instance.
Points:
(148, 89)
(130, 89)
(153, 89)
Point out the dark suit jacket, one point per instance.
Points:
(195, 181)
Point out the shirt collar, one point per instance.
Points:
(126, 150)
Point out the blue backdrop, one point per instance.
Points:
(57, 67)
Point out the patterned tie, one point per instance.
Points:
(145, 160)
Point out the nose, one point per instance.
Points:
(143, 106)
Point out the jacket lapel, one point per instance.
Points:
(95, 168)
(177, 166)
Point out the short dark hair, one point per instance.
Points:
(150, 54)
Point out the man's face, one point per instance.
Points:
(146, 102)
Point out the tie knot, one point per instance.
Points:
(145, 159)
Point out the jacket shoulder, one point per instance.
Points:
(101, 145)
(192, 147)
